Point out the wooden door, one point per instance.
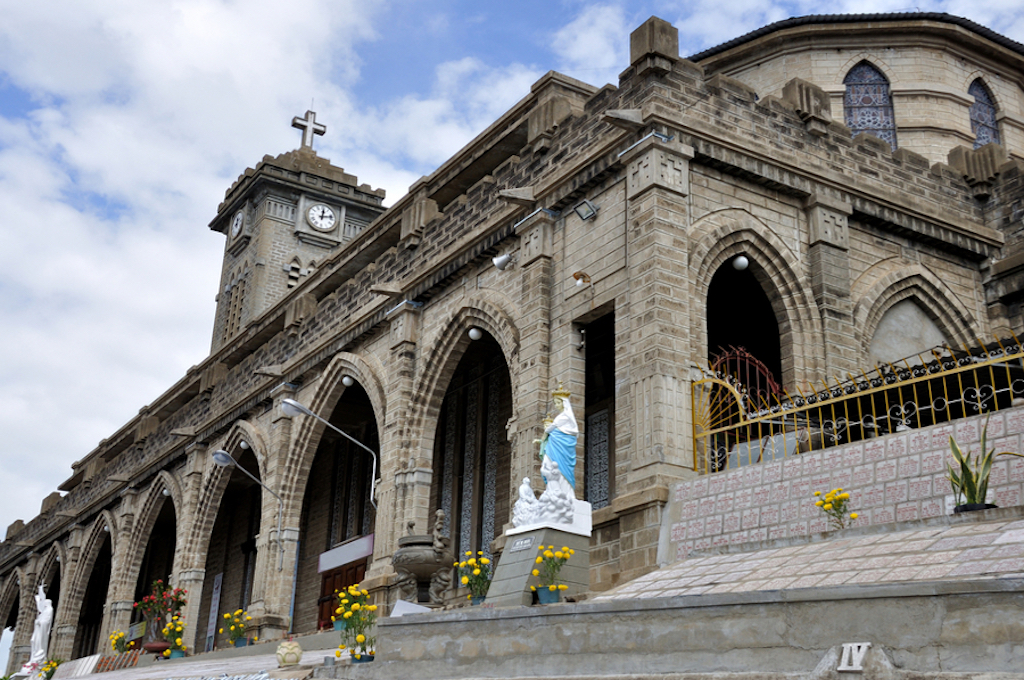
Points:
(337, 580)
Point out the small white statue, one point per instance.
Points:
(556, 503)
(40, 633)
(525, 510)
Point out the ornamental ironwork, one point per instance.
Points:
(733, 427)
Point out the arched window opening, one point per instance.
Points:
(742, 323)
(472, 455)
(158, 559)
(90, 620)
(983, 115)
(867, 103)
(336, 512)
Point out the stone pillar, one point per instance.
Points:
(64, 628)
(404, 492)
(657, 215)
(21, 645)
(189, 566)
(535, 265)
(829, 259)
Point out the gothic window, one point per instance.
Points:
(983, 115)
(867, 103)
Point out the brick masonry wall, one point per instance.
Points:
(890, 479)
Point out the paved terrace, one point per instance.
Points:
(979, 545)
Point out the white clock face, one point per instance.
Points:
(321, 217)
(237, 222)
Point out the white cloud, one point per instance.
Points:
(594, 47)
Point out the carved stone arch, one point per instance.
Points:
(894, 281)
(370, 373)
(53, 557)
(489, 311)
(78, 582)
(870, 58)
(10, 593)
(145, 518)
(215, 481)
(724, 234)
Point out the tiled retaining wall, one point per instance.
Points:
(890, 479)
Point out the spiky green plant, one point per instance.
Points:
(970, 482)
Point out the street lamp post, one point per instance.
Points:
(293, 408)
(224, 459)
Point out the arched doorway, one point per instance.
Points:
(742, 323)
(9, 617)
(89, 630)
(158, 558)
(231, 553)
(472, 455)
(337, 515)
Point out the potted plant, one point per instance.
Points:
(119, 642)
(49, 668)
(173, 632)
(237, 624)
(550, 563)
(161, 604)
(968, 478)
(360, 618)
(836, 504)
(475, 574)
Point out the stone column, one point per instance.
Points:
(62, 639)
(404, 492)
(21, 645)
(118, 612)
(536, 272)
(829, 259)
(189, 566)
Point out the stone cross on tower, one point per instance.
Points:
(309, 127)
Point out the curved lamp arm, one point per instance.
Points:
(225, 459)
(294, 408)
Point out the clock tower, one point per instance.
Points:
(282, 220)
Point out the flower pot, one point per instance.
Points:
(971, 507)
(289, 653)
(177, 654)
(340, 624)
(240, 642)
(546, 596)
(363, 658)
(477, 599)
(157, 646)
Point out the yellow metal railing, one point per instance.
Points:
(732, 428)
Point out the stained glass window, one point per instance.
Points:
(867, 103)
(983, 115)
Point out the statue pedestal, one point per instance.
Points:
(510, 586)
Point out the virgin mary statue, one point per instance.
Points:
(559, 442)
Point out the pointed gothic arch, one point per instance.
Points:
(724, 234)
(10, 608)
(886, 284)
(89, 587)
(493, 313)
(984, 124)
(867, 102)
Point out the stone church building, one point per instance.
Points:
(815, 197)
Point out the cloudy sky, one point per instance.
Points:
(123, 122)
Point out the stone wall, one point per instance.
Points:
(895, 478)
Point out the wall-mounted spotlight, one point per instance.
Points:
(501, 262)
(475, 333)
(583, 340)
(348, 381)
(582, 278)
(106, 528)
(740, 262)
(166, 492)
(585, 210)
(244, 445)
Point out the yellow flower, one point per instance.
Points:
(358, 657)
(571, 552)
(552, 588)
(468, 553)
(338, 610)
(540, 548)
(565, 548)
(256, 639)
(167, 653)
(479, 552)
(535, 572)
(548, 554)
(558, 554)
(539, 559)
(178, 629)
(462, 565)
(484, 560)
(533, 588)
(562, 586)
(355, 606)
(347, 615)
(827, 506)
(372, 607)
(337, 653)
(364, 592)
(839, 490)
(221, 631)
(819, 503)
(854, 515)
(455, 564)
(332, 618)
(345, 601)
(465, 580)
(232, 627)
(844, 496)
(238, 612)
(471, 561)
(178, 642)
(227, 616)
(476, 572)
(248, 618)
(817, 493)
(360, 638)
